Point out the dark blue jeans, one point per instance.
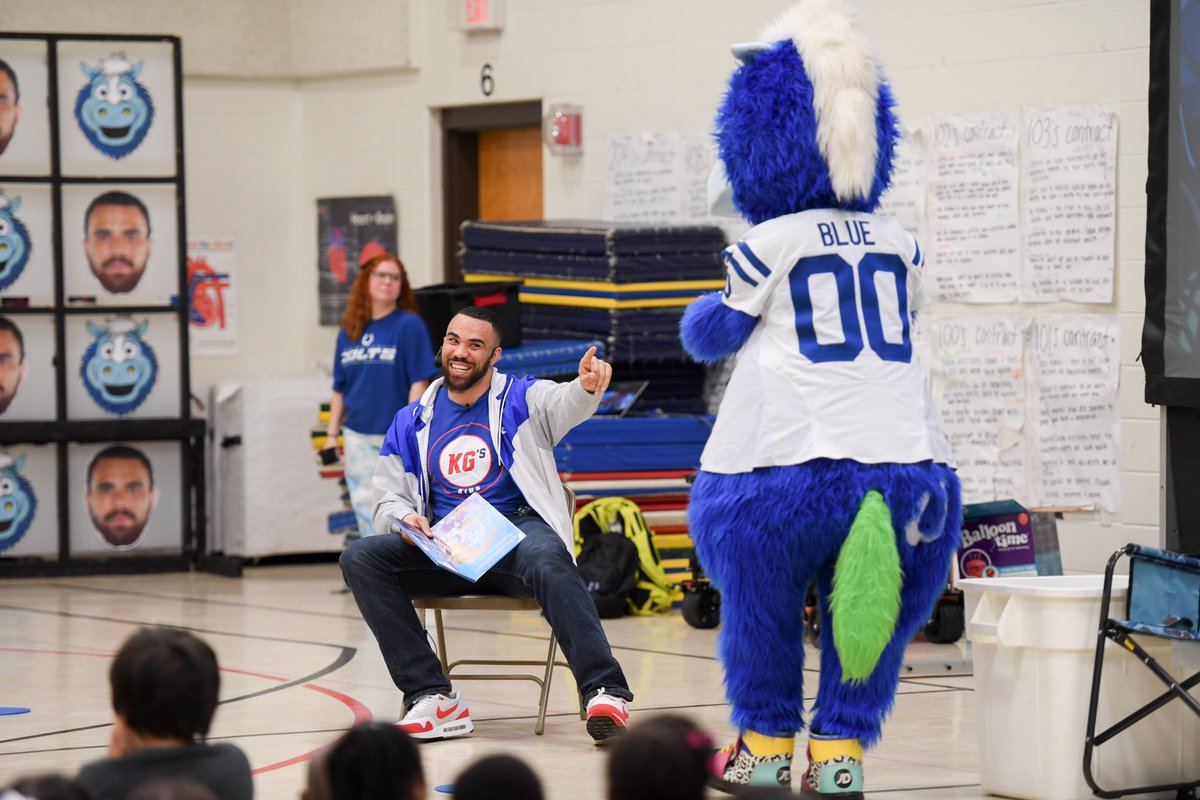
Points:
(385, 573)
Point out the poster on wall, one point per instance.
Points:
(973, 204)
(212, 299)
(350, 230)
(120, 244)
(116, 107)
(26, 367)
(24, 110)
(906, 196)
(28, 500)
(1069, 187)
(26, 243)
(125, 497)
(123, 366)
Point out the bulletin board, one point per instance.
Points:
(101, 464)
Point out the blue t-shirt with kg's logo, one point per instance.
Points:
(375, 373)
(462, 460)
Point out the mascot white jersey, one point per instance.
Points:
(830, 371)
(827, 463)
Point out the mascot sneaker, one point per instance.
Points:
(437, 716)
(834, 769)
(606, 715)
(736, 767)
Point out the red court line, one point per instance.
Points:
(361, 714)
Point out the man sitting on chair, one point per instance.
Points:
(479, 430)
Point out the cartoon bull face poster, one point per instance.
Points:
(114, 110)
(119, 367)
(126, 366)
(18, 501)
(28, 509)
(26, 242)
(15, 242)
(116, 100)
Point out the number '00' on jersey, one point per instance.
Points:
(829, 370)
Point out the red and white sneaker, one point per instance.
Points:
(437, 716)
(606, 715)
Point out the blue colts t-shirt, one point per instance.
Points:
(462, 461)
(375, 373)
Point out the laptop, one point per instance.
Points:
(620, 397)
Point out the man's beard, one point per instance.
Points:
(6, 399)
(127, 535)
(123, 282)
(464, 382)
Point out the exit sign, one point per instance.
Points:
(481, 15)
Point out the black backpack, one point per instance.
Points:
(608, 563)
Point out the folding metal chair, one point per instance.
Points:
(1164, 602)
(482, 602)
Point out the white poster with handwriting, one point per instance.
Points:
(974, 217)
(1076, 441)
(977, 371)
(905, 198)
(1068, 218)
(662, 179)
(641, 181)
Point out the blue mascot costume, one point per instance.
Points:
(827, 461)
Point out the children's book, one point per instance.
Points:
(469, 540)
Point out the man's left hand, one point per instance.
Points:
(594, 373)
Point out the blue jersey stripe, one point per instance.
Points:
(754, 260)
(916, 254)
(731, 261)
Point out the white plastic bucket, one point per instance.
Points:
(1033, 644)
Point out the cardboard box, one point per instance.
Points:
(997, 540)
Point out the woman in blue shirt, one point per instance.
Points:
(383, 361)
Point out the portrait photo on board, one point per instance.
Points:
(26, 247)
(123, 366)
(28, 500)
(127, 250)
(126, 496)
(24, 112)
(26, 367)
(116, 105)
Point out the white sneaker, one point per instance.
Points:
(437, 716)
(606, 715)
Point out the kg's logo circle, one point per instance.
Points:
(843, 778)
(466, 461)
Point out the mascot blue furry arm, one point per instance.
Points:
(827, 461)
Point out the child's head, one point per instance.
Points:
(495, 777)
(165, 683)
(372, 761)
(660, 758)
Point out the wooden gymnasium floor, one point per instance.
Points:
(299, 665)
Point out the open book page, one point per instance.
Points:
(469, 540)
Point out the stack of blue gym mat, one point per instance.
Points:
(623, 283)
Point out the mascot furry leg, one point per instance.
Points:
(826, 461)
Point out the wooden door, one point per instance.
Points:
(510, 174)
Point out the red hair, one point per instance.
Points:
(358, 307)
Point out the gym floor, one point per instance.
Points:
(299, 666)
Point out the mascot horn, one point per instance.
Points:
(827, 462)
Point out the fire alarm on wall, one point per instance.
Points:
(562, 129)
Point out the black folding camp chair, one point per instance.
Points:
(1163, 601)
